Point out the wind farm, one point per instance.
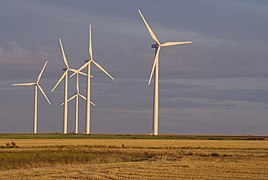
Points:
(123, 104)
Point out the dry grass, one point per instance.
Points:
(147, 143)
(134, 159)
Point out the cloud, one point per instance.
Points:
(12, 53)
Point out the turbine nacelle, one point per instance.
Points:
(155, 46)
(64, 69)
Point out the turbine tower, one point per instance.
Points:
(88, 65)
(155, 70)
(65, 75)
(76, 96)
(36, 87)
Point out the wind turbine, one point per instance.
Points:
(76, 96)
(88, 65)
(36, 87)
(155, 70)
(65, 75)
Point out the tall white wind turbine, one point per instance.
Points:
(88, 65)
(155, 70)
(36, 87)
(65, 75)
(76, 96)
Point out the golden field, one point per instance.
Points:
(145, 143)
(133, 159)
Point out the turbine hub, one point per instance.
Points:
(64, 69)
(155, 46)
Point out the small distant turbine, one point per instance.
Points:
(65, 75)
(88, 65)
(36, 87)
(154, 70)
(76, 96)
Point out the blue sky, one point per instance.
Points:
(217, 85)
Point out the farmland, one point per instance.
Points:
(136, 157)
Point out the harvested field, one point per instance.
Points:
(142, 143)
(133, 159)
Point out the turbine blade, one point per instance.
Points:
(90, 43)
(63, 75)
(40, 74)
(149, 29)
(84, 66)
(92, 103)
(63, 55)
(74, 73)
(86, 99)
(175, 43)
(155, 61)
(101, 68)
(44, 94)
(24, 84)
(71, 98)
(79, 70)
(83, 97)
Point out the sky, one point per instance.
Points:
(217, 85)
